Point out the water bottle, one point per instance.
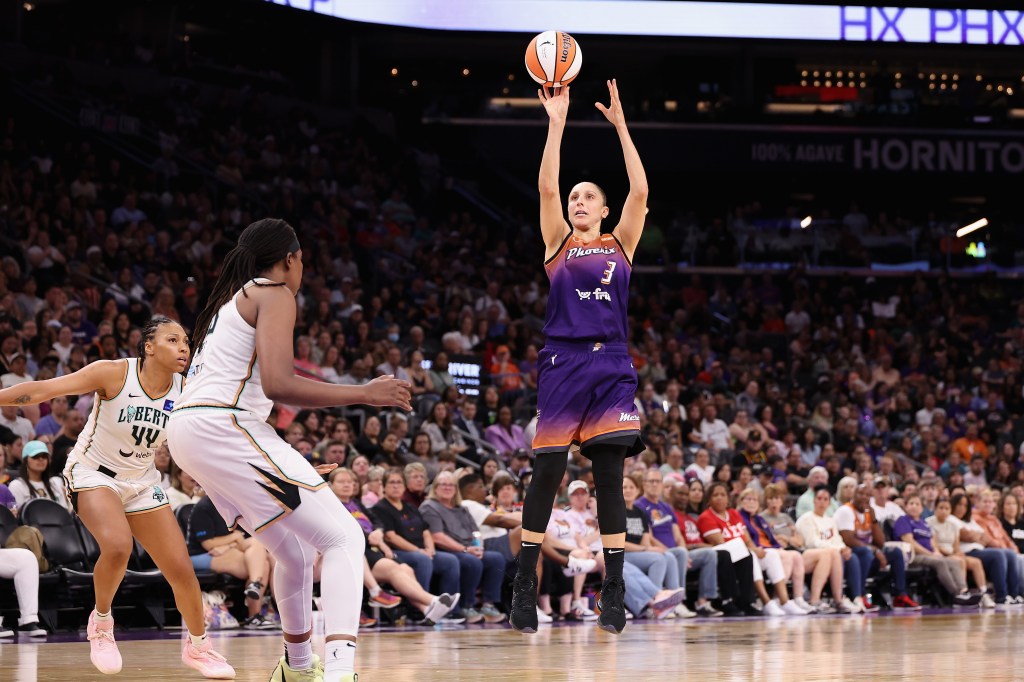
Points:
(477, 539)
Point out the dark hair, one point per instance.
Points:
(955, 501)
(689, 507)
(261, 245)
(820, 487)
(148, 332)
(23, 475)
(304, 414)
(710, 490)
(490, 459)
(468, 480)
(445, 424)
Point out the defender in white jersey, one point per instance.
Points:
(218, 433)
(113, 485)
(117, 445)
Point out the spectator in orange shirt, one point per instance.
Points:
(505, 373)
(984, 516)
(969, 444)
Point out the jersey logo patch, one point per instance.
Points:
(285, 492)
(132, 395)
(158, 494)
(627, 417)
(598, 295)
(168, 405)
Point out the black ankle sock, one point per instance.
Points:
(613, 560)
(528, 556)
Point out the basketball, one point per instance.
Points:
(554, 58)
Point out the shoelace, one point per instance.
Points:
(101, 635)
(613, 591)
(210, 653)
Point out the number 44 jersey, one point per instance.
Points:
(124, 431)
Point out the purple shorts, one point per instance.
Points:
(585, 396)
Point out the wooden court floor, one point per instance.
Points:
(980, 646)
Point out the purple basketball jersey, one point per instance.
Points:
(589, 291)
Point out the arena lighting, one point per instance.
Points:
(805, 223)
(800, 108)
(686, 18)
(512, 102)
(976, 225)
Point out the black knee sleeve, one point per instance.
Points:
(548, 470)
(607, 466)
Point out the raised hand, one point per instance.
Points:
(556, 102)
(387, 391)
(613, 112)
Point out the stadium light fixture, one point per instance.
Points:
(805, 223)
(976, 225)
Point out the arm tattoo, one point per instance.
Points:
(22, 399)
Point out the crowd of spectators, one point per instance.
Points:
(755, 391)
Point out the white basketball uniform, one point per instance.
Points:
(219, 433)
(115, 449)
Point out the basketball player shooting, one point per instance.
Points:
(586, 379)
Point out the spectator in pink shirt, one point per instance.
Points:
(505, 435)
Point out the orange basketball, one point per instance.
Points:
(554, 58)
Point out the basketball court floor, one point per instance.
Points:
(935, 645)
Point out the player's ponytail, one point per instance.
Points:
(149, 332)
(260, 246)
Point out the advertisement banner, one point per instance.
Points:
(725, 148)
(688, 19)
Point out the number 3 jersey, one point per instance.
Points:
(589, 291)
(123, 432)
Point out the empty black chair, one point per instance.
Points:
(62, 542)
(183, 515)
(136, 582)
(89, 544)
(8, 522)
(63, 547)
(141, 559)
